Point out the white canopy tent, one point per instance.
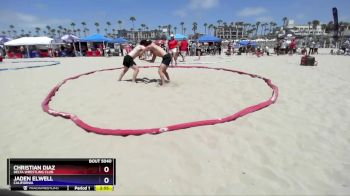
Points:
(29, 41)
(26, 41)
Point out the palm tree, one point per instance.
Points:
(73, 25)
(85, 31)
(29, 34)
(108, 24)
(12, 27)
(59, 31)
(264, 29)
(139, 36)
(84, 26)
(309, 23)
(185, 30)
(106, 30)
(97, 25)
(330, 26)
(37, 30)
(239, 25)
(257, 27)
(53, 33)
(143, 26)
(253, 29)
(315, 23)
(113, 30)
(215, 28)
(210, 27)
(48, 30)
(219, 22)
(175, 28)
(120, 24)
(133, 19)
(284, 21)
(194, 27)
(169, 28)
(250, 32)
(246, 27)
(78, 30)
(205, 28)
(3, 32)
(270, 27)
(182, 27)
(274, 27)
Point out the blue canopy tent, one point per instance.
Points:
(96, 38)
(179, 37)
(119, 40)
(209, 38)
(246, 42)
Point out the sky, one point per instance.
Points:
(28, 14)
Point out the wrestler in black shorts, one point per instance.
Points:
(166, 59)
(128, 61)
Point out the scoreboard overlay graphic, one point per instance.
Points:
(83, 174)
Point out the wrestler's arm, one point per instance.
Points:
(141, 54)
(148, 48)
(153, 58)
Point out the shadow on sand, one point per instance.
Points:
(144, 80)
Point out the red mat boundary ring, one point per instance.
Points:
(125, 132)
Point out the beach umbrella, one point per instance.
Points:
(4, 38)
(69, 38)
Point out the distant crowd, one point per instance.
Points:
(179, 48)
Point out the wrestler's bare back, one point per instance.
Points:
(156, 50)
(136, 51)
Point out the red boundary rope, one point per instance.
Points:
(126, 132)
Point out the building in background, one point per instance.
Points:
(231, 32)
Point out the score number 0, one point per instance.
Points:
(106, 170)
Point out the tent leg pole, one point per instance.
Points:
(28, 55)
